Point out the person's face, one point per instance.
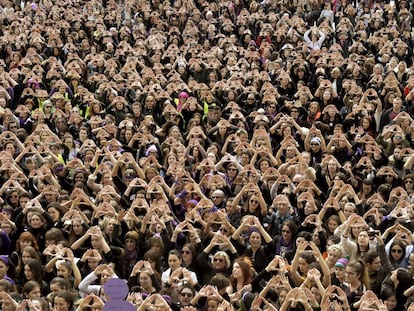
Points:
(356, 230)
(303, 265)
(231, 172)
(245, 159)
(77, 227)
(340, 273)
(315, 146)
(286, 233)
(282, 207)
(28, 273)
(253, 203)
(333, 256)
(391, 302)
(396, 252)
(130, 244)
(219, 263)
(105, 276)
(36, 222)
(396, 104)
(93, 263)
(332, 225)
(186, 254)
(212, 305)
(237, 272)
(145, 280)
(185, 297)
(174, 262)
(107, 179)
(351, 275)
(60, 304)
(54, 214)
(375, 265)
(63, 271)
(264, 165)
(309, 209)
(3, 269)
(211, 156)
(35, 293)
(255, 239)
(363, 239)
(348, 210)
(96, 242)
(14, 197)
(332, 166)
(10, 149)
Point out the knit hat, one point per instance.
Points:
(341, 263)
(316, 140)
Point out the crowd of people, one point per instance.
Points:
(214, 155)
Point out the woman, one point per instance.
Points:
(31, 290)
(399, 280)
(100, 275)
(300, 265)
(339, 272)
(219, 264)
(285, 243)
(389, 297)
(77, 229)
(130, 255)
(33, 271)
(95, 237)
(176, 272)
(398, 253)
(408, 183)
(357, 281)
(63, 301)
(56, 212)
(39, 223)
(143, 279)
(258, 245)
(189, 255)
(330, 117)
(25, 239)
(326, 174)
(360, 245)
(241, 278)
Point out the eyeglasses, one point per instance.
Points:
(388, 175)
(396, 250)
(48, 107)
(186, 252)
(408, 181)
(12, 127)
(218, 260)
(232, 169)
(314, 144)
(250, 99)
(187, 295)
(254, 201)
(215, 198)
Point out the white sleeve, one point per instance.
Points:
(85, 286)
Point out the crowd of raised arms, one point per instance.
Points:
(214, 155)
